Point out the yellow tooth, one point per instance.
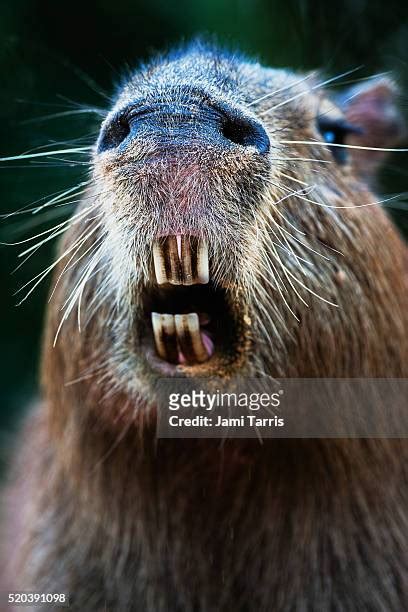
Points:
(202, 262)
(165, 336)
(159, 263)
(181, 260)
(186, 260)
(171, 255)
(189, 338)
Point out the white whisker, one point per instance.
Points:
(344, 146)
(303, 93)
(273, 93)
(46, 153)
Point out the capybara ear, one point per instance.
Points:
(372, 107)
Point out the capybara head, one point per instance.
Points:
(229, 229)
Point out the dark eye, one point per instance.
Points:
(335, 131)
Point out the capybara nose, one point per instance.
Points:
(185, 122)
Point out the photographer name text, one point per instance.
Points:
(250, 420)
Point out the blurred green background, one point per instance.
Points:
(56, 55)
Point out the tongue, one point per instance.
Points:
(208, 345)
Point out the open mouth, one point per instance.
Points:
(193, 322)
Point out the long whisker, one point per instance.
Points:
(78, 215)
(267, 280)
(302, 159)
(76, 293)
(58, 162)
(303, 93)
(323, 205)
(61, 199)
(55, 197)
(362, 79)
(50, 215)
(272, 93)
(298, 194)
(344, 146)
(68, 266)
(292, 178)
(46, 153)
(34, 248)
(77, 111)
(58, 199)
(42, 275)
(288, 247)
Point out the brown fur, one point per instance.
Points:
(123, 521)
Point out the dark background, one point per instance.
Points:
(56, 55)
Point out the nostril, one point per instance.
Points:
(113, 133)
(246, 132)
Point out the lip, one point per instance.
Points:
(172, 370)
(218, 365)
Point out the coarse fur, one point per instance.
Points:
(316, 278)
